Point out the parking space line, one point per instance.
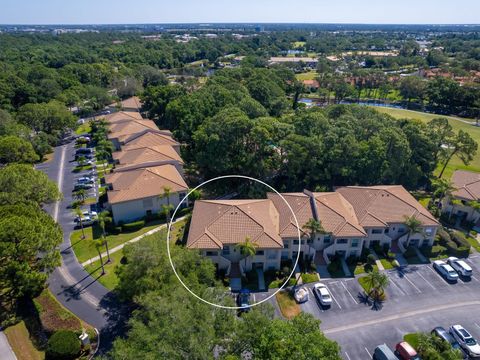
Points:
(428, 282)
(429, 268)
(474, 278)
(406, 278)
(368, 352)
(355, 301)
(398, 287)
(348, 357)
(477, 325)
(311, 290)
(331, 294)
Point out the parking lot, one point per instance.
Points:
(418, 299)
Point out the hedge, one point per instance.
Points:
(133, 226)
(63, 345)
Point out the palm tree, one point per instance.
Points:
(442, 188)
(166, 194)
(413, 226)
(314, 227)
(247, 248)
(80, 195)
(377, 283)
(78, 212)
(103, 219)
(166, 210)
(98, 245)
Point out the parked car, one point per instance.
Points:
(322, 294)
(83, 151)
(445, 270)
(405, 351)
(85, 180)
(243, 300)
(460, 266)
(86, 220)
(300, 294)
(445, 335)
(88, 162)
(466, 341)
(79, 186)
(383, 352)
(87, 213)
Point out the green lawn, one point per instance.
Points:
(387, 264)
(455, 163)
(298, 44)
(362, 268)
(109, 279)
(311, 75)
(83, 129)
(22, 346)
(309, 278)
(412, 339)
(363, 281)
(85, 248)
(472, 241)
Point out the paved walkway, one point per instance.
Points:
(261, 279)
(121, 246)
(420, 255)
(377, 260)
(401, 259)
(6, 352)
(345, 268)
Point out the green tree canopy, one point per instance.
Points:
(16, 150)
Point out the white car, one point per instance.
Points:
(301, 294)
(86, 220)
(445, 270)
(323, 295)
(460, 266)
(466, 341)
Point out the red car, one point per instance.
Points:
(406, 352)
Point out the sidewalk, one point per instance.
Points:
(377, 260)
(121, 246)
(6, 352)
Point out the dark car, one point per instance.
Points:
(243, 300)
(445, 335)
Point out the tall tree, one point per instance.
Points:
(413, 226)
(104, 218)
(247, 248)
(16, 150)
(462, 146)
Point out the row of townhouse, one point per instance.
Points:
(352, 218)
(147, 162)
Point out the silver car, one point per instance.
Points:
(460, 266)
(445, 270)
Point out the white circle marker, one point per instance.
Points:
(168, 242)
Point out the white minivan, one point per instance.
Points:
(460, 266)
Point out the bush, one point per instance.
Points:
(133, 226)
(371, 260)
(63, 345)
(459, 238)
(390, 255)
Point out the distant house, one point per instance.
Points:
(306, 61)
(311, 85)
(131, 104)
(137, 193)
(467, 190)
(150, 138)
(132, 158)
(352, 218)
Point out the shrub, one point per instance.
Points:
(371, 259)
(410, 252)
(459, 238)
(351, 260)
(133, 226)
(63, 345)
(390, 255)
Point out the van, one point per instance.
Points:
(383, 352)
(406, 352)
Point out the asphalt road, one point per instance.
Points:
(418, 299)
(70, 283)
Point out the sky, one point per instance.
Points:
(215, 11)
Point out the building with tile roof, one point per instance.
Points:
(132, 158)
(467, 190)
(352, 218)
(137, 193)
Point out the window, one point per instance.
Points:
(355, 243)
(401, 230)
(309, 241)
(260, 253)
(428, 231)
(295, 242)
(377, 231)
(327, 239)
(226, 250)
(212, 253)
(342, 241)
(284, 255)
(387, 230)
(285, 244)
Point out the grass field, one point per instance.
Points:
(456, 123)
(22, 346)
(83, 129)
(311, 75)
(85, 248)
(298, 44)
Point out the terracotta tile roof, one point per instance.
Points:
(334, 212)
(149, 138)
(382, 205)
(311, 83)
(143, 183)
(123, 115)
(467, 185)
(300, 204)
(218, 222)
(122, 129)
(132, 103)
(146, 155)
